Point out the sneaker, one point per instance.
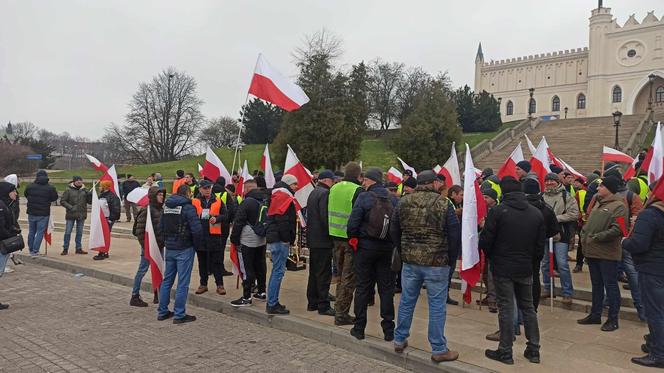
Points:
(81, 252)
(241, 302)
(505, 358)
(590, 320)
(3, 306)
(100, 256)
(276, 310)
(357, 333)
(610, 325)
(185, 319)
(567, 300)
(136, 301)
(495, 337)
(221, 290)
(166, 316)
(532, 356)
(201, 289)
(260, 296)
(64, 252)
(34, 255)
(447, 356)
(452, 302)
(9, 269)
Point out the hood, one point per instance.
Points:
(177, 200)
(494, 178)
(5, 188)
(379, 189)
(257, 193)
(72, 186)
(535, 200)
(152, 196)
(611, 198)
(41, 177)
(516, 200)
(12, 179)
(555, 191)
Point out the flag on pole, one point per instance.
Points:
(451, 169)
(138, 196)
(531, 147)
(656, 165)
(270, 85)
(474, 210)
(266, 165)
(394, 176)
(572, 171)
(112, 176)
(238, 263)
(152, 253)
(540, 163)
(96, 163)
(304, 178)
(509, 167)
(100, 233)
(200, 170)
(407, 167)
(552, 158)
(244, 176)
(213, 167)
(613, 155)
(48, 233)
(659, 189)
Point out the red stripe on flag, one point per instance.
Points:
(263, 88)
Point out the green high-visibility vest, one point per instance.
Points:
(582, 200)
(339, 206)
(222, 196)
(643, 188)
(496, 187)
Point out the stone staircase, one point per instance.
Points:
(577, 141)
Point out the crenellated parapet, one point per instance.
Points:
(543, 57)
(632, 23)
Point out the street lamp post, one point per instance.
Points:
(651, 80)
(530, 106)
(566, 108)
(616, 123)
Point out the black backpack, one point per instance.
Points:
(379, 218)
(260, 227)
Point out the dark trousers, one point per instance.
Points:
(506, 290)
(373, 267)
(579, 252)
(604, 277)
(210, 263)
(255, 269)
(224, 240)
(652, 296)
(452, 264)
(320, 276)
(537, 288)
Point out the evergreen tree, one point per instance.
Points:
(261, 122)
(464, 99)
(487, 113)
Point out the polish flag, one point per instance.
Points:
(540, 162)
(656, 166)
(270, 85)
(552, 158)
(509, 167)
(304, 179)
(213, 167)
(244, 176)
(266, 165)
(394, 176)
(100, 233)
(112, 176)
(96, 163)
(152, 253)
(238, 262)
(531, 147)
(48, 233)
(474, 210)
(138, 196)
(200, 170)
(407, 167)
(281, 200)
(613, 155)
(572, 171)
(451, 169)
(631, 170)
(659, 189)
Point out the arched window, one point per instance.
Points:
(555, 104)
(581, 101)
(532, 106)
(659, 94)
(617, 94)
(509, 109)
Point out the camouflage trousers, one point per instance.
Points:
(343, 254)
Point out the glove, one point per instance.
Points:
(353, 243)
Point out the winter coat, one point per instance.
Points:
(631, 200)
(564, 206)
(318, 233)
(113, 202)
(231, 204)
(513, 236)
(156, 210)
(551, 226)
(180, 224)
(282, 228)
(40, 195)
(128, 186)
(212, 242)
(75, 201)
(13, 205)
(646, 243)
(247, 214)
(601, 235)
(7, 228)
(359, 218)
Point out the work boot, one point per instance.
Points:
(532, 356)
(590, 320)
(136, 301)
(221, 290)
(155, 300)
(446, 356)
(201, 289)
(3, 306)
(503, 357)
(81, 252)
(610, 325)
(344, 320)
(357, 333)
(64, 252)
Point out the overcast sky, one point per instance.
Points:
(73, 65)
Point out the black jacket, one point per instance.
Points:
(128, 186)
(551, 225)
(212, 242)
(40, 195)
(13, 205)
(156, 209)
(247, 213)
(646, 243)
(7, 228)
(281, 228)
(318, 233)
(513, 236)
(359, 218)
(180, 224)
(113, 204)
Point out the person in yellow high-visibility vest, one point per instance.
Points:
(581, 194)
(639, 185)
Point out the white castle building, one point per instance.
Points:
(617, 71)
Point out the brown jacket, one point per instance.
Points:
(601, 236)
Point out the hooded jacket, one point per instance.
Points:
(13, 205)
(646, 243)
(281, 228)
(75, 201)
(513, 236)
(180, 224)
(7, 228)
(358, 221)
(601, 235)
(128, 186)
(247, 215)
(564, 206)
(318, 232)
(156, 209)
(40, 195)
(113, 201)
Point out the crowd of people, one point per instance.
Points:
(372, 236)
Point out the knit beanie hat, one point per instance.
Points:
(509, 185)
(611, 183)
(530, 186)
(374, 174)
(524, 165)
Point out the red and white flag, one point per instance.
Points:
(631, 170)
(100, 233)
(266, 165)
(96, 163)
(244, 176)
(152, 253)
(394, 176)
(138, 196)
(48, 233)
(238, 263)
(659, 189)
(552, 158)
(474, 210)
(531, 147)
(280, 201)
(304, 178)
(509, 167)
(451, 169)
(539, 163)
(613, 155)
(270, 85)
(200, 170)
(656, 165)
(213, 167)
(572, 171)
(407, 167)
(112, 176)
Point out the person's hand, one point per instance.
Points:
(13, 195)
(353, 243)
(213, 220)
(482, 223)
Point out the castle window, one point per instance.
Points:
(631, 53)
(509, 109)
(659, 94)
(555, 104)
(617, 94)
(532, 106)
(581, 101)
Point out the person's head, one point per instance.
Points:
(578, 183)
(410, 184)
(291, 181)
(326, 177)
(568, 178)
(105, 185)
(184, 191)
(609, 186)
(407, 174)
(556, 170)
(426, 180)
(260, 181)
(156, 196)
(508, 185)
(130, 177)
(189, 178)
(372, 176)
(231, 189)
(220, 181)
(352, 171)
(392, 188)
(486, 173)
(179, 174)
(490, 197)
(551, 181)
(442, 186)
(205, 188)
(149, 179)
(77, 181)
(157, 176)
(522, 169)
(338, 176)
(250, 185)
(455, 194)
(530, 186)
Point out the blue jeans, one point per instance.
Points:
(560, 255)
(3, 263)
(143, 267)
(633, 277)
(436, 280)
(279, 253)
(652, 290)
(180, 263)
(604, 278)
(36, 228)
(79, 233)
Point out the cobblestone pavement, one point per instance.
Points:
(60, 323)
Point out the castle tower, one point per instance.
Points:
(479, 62)
(600, 24)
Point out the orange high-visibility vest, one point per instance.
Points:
(215, 208)
(176, 184)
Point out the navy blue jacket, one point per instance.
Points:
(646, 243)
(180, 224)
(40, 195)
(359, 218)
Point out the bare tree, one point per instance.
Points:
(414, 81)
(384, 81)
(21, 132)
(163, 120)
(220, 132)
(320, 43)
